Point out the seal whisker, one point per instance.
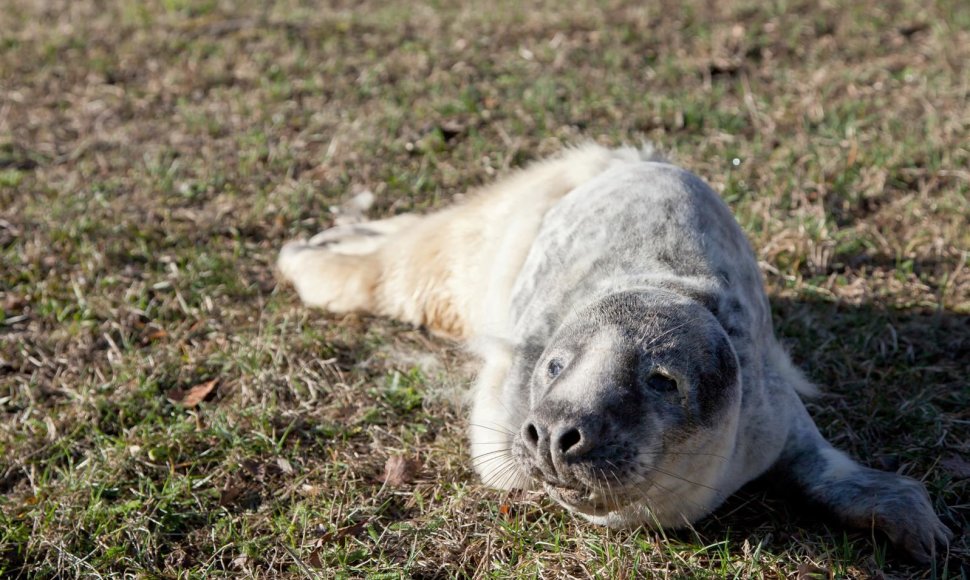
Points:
(498, 429)
(492, 464)
(655, 339)
(675, 476)
(504, 473)
(614, 473)
(512, 474)
(643, 494)
(687, 453)
(492, 454)
(500, 473)
(614, 501)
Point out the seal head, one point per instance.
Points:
(634, 408)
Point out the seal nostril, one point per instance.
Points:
(531, 434)
(569, 439)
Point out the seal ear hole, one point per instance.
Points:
(554, 367)
(662, 384)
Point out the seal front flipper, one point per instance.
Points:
(861, 497)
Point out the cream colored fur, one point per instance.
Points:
(450, 271)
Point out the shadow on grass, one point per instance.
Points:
(895, 397)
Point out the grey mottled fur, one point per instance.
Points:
(650, 250)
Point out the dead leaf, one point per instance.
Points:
(262, 471)
(451, 129)
(399, 470)
(957, 466)
(254, 468)
(194, 396)
(284, 465)
(154, 335)
(340, 533)
(505, 509)
(230, 494)
(810, 572)
(13, 302)
(315, 559)
(310, 490)
(239, 497)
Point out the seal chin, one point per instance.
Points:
(586, 502)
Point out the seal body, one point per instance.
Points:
(629, 363)
(642, 271)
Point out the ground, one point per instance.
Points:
(155, 155)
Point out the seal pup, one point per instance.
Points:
(629, 366)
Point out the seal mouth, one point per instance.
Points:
(585, 501)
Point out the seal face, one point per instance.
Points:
(620, 397)
(629, 364)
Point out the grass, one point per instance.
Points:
(155, 155)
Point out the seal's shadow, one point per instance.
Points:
(895, 397)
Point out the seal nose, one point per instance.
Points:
(553, 445)
(569, 439)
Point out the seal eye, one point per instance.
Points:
(662, 384)
(554, 368)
